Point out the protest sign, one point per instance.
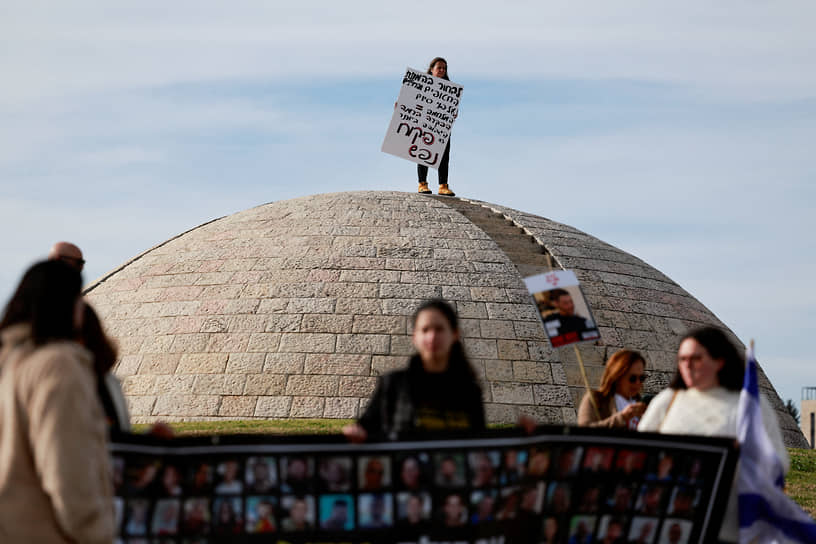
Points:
(563, 308)
(423, 117)
(497, 487)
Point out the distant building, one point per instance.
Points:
(808, 415)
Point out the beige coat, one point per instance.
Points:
(610, 417)
(55, 477)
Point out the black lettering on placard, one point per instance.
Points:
(447, 98)
(420, 79)
(408, 129)
(439, 115)
(427, 137)
(450, 89)
(444, 96)
(423, 154)
(415, 84)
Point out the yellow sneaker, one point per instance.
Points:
(423, 188)
(444, 191)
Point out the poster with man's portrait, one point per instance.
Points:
(563, 308)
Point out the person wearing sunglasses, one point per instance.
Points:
(67, 253)
(617, 402)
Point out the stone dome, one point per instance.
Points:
(292, 309)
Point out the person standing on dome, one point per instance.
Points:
(438, 390)
(437, 68)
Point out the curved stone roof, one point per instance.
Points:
(292, 309)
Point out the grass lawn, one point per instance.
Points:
(801, 480)
(255, 426)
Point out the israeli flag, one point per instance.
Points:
(766, 514)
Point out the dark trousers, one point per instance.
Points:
(422, 170)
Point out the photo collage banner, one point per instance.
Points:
(561, 484)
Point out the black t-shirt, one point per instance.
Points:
(413, 399)
(437, 407)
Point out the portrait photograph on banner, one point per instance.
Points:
(563, 308)
(423, 118)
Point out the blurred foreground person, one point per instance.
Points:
(437, 391)
(703, 399)
(618, 399)
(55, 475)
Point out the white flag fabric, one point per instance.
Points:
(766, 514)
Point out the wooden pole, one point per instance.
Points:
(586, 381)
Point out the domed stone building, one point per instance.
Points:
(292, 309)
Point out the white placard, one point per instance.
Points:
(420, 127)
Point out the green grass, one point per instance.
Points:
(255, 426)
(801, 480)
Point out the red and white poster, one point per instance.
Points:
(563, 307)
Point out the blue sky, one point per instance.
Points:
(680, 133)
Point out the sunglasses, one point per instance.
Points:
(633, 378)
(77, 261)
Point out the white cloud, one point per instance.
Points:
(742, 50)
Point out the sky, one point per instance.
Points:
(679, 132)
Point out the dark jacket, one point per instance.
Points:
(413, 399)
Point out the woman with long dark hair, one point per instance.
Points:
(438, 390)
(437, 68)
(55, 474)
(703, 399)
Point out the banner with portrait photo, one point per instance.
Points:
(560, 484)
(423, 118)
(563, 308)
